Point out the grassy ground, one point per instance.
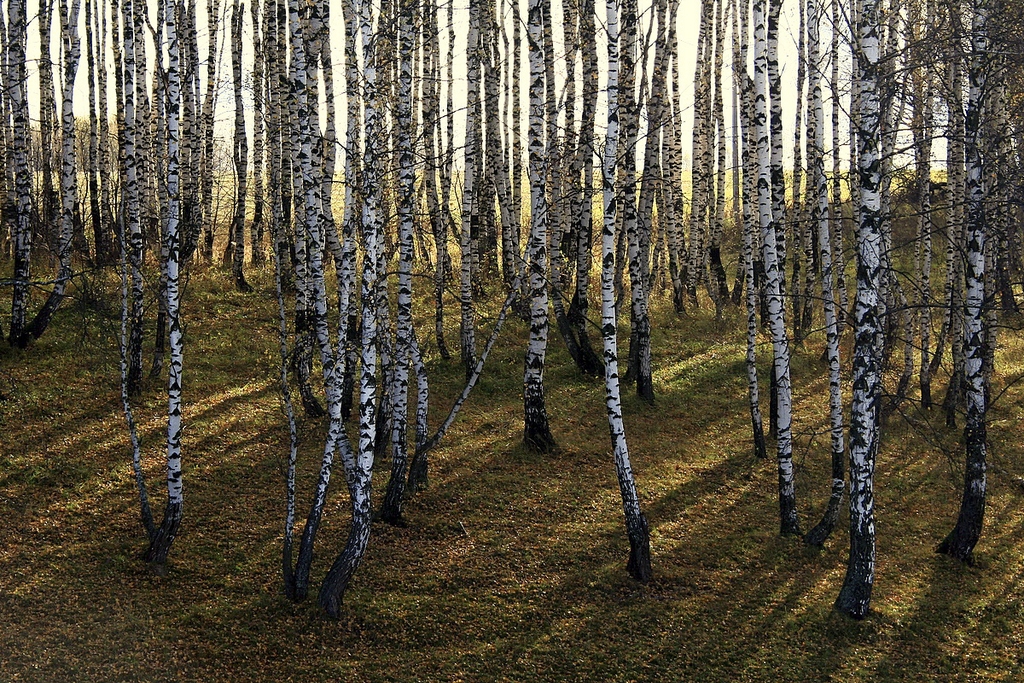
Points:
(512, 566)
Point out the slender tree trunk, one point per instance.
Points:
(258, 227)
(855, 596)
(770, 224)
(639, 564)
(537, 432)
(68, 173)
(360, 469)
(391, 510)
(208, 117)
(962, 539)
(745, 85)
(160, 543)
(16, 82)
(240, 154)
(821, 218)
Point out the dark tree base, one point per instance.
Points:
(821, 532)
(760, 445)
(160, 543)
(418, 480)
(538, 438)
(639, 564)
(332, 592)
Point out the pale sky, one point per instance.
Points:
(687, 28)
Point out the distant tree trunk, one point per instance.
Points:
(258, 227)
(836, 225)
(720, 285)
(160, 542)
(821, 219)
(855, 597)
(16, 82)
(537, 432)
(240, 154)
(470, 213)
(584, 173)
(701, 169)
(132, 211)
(49, 209)
(68, 174)
(770, 231)
(962, 539)
(207, 163)
(640, 323)
(391, 509)
(439, 214)
(955, 237)
(639, 565)
(923, 162)
(797, 294)
(744, 85)
(101, 238)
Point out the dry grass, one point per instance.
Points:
(512, 566)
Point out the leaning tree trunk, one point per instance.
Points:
(68, 173)
(360, 467)
(961, 540)
(639, 565)
(855, 595)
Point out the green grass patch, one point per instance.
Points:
(512, 566)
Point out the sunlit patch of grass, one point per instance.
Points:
(512, 566)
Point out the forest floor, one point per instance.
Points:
(512, 565)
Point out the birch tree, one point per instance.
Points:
(962, 539)
(769, 223)
(821, 221)
(537, 432)
(68, 172)
(855, 596)
(359, 466)
(240, 155)
(639, 564)
(391, 510)
(16, 81)
(160, 542)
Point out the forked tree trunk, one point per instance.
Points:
(391, 509)
(359, 468)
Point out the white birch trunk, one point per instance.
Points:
(161, 542)
(769, 223)
(639, 565)
(855, 597)
(537, 433)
